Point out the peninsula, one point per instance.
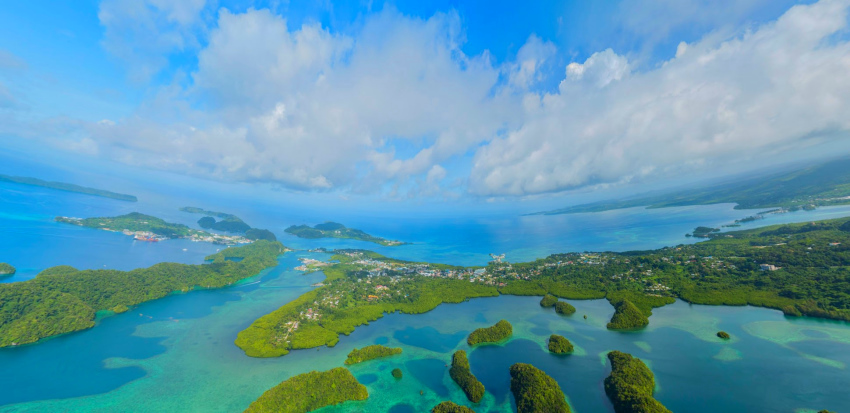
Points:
(63, 299)
(62, 186)
(800, 269)
(337, 230)
(149, 228)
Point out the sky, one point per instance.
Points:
(456, 101)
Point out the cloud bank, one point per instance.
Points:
(315, 110)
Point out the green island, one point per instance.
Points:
(337, 230)
(464, 378)
(800, 269)
(630, 385)
(559, 345)
(534, 391)
(627, 316)
(310, 391)
(6, 269)
(397, 373)
(63, 299)
(149, 228)
(564, 308)
(370, 353)
(493, 334)
(817, 185)
(62, 186)
(724, 335)
(450, 407)
(229, 223)
(548, 300)
(703, 232)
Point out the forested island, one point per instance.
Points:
(370, 353)
(626, 316)
(559, 345)
(63, 299)
(464, 378)
(807, 188)
(493, 334)
(62, 186)
(149, 228)
(449, 407)
(310, 391)
(337, 230)
(229, 223)
(534, 391)
(630, 385)
(6, 269)
(800, 269)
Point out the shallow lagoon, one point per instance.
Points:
(178, 356)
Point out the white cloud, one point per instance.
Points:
(599, 69)
(308, 109)
(145, 32)
(767, 91)
(312, 109)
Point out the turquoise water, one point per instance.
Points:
(177, 353)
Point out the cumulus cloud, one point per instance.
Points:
(312, 109)
(768, 90)
(308, 108)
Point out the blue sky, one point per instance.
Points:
(412, 100)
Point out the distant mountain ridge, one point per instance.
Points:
(810, 187)
(62, 186)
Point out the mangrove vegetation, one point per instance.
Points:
(310, 391)
(630, 385)
(534, 391)
(464, 378)
(493, 334)
(370, 353)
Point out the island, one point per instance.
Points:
(337, 230)
(564, 308)
(534, 391)
(771, 267)
(627, 316)
(370, 353)
(703, 232)
(559, 345)
(493, 334)
(464, 378)
(63, 299)
(630, 385)
(397, 373)
(229, 223)
(449, 407)
(806, 188)
(724, 335)
(548, 300)
(310, 391)
(62, 186)
(152, 229)
(6, 269)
